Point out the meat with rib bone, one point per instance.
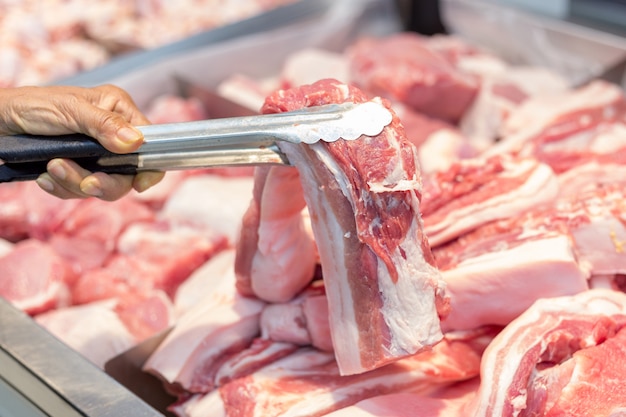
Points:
(474, 192)
(307, 383)
(385, 294)
(562, 357)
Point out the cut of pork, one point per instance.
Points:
(34, 278)
(544, 122)
(276, 255)
(385, 295)
(213, 329)
(404, 68)
(307, 382)
(477, 191)
(562, 357)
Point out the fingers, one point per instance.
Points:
(65, 179)
(145, 180)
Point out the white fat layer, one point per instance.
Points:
(210, 404)
(331, 250)
(505, 352)
(199, 325)
(541, 187)
(411, 299)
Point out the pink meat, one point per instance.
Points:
(102, 221)
(474, 192)
(302, 321)
(173, 109)
(562, 357)
(403, 67)
(439, 144)
(145, 314)
(172, 250)
(446, 402)
(562, 123)
(34, 278)
(503, 90)
(308, 383)
(205, 337)
(385, 295)
(275, 254)
(27, 211)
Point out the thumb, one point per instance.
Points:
(111, 129)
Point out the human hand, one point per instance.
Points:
(105, 113)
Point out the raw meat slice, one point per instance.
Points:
(446, 402)
(546, 121)
(172, 249)
(589, 176)
(103, 221)
(495, 287)
(307, 383)
(34, 278)
(145, 314)
(94, 330)
(205, 337)
(260, 353)
(302, 321)
(562, 357)
(27, 211)
(385, 295)
(477, 191)
(402, 67)
(276, 255)
(502, 92)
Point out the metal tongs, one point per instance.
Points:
(245, 140)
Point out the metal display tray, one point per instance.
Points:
(41, 376)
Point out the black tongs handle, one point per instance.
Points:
(25, 157)
(28, 171)
(32, 148)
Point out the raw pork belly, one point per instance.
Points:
(565, 130)
(562, 357)
(307, 382)
(474, 192)
(385, 294)
(404, 68)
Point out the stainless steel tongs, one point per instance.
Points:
(246, 140)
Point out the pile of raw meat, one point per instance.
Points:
(467, 261)
(42, 41)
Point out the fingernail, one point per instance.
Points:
(128, 135)
(91, 188)
(45, 184)
(56, 169)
